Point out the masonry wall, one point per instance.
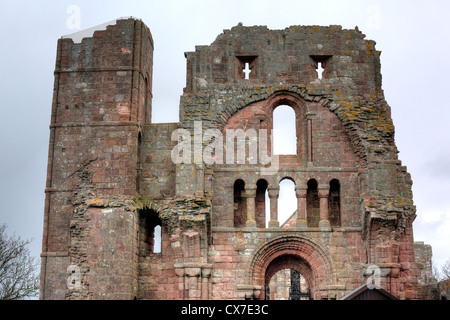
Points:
(428, 285)
(112, 177)
(352, 138)
(100, 101)
(289, 56)
(158, 171)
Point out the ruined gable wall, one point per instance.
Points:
(283, 62)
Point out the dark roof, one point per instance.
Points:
(364, 293)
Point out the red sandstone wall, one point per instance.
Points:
(101, 93)
(103, 151)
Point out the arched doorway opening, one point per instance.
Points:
(292, 252)
(288, 277)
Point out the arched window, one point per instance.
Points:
(284, 130)
(150, 235)
(312, 204)
(240, 205)
(261, 203)
(287, 200)
(334, 203)
(157, 236)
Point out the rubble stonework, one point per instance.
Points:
(111, 176)
(428, 285)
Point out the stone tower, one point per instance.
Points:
(115, 180)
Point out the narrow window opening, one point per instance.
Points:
(150, 233)
(319, 70)
(287, 201)
(247, 71)
(157, 239)
(312, 204)
(284, 131)
(267, 200)
(334, 203)
(240, 205)
(261, 203)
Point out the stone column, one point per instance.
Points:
(324, 223)
(250, 194)
(273, 196)
(200, 181)
(206, 282)
(309, 116)
(192, 283)
(179, 271)
(209, 173)
(301, 192)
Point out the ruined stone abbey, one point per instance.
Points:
(136, 210)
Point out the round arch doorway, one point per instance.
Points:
(288, 277)
(292, 252)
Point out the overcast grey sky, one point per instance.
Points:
(413, 36)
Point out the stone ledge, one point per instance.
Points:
(336, 287)
(296, 169)
(55, 254)
(284, 230)
(95, 124)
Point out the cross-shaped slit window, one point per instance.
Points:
(247, 71)
(321, 64)
(319, 70)
(245, 67)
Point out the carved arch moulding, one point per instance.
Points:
(232, 101)
(308, 252)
